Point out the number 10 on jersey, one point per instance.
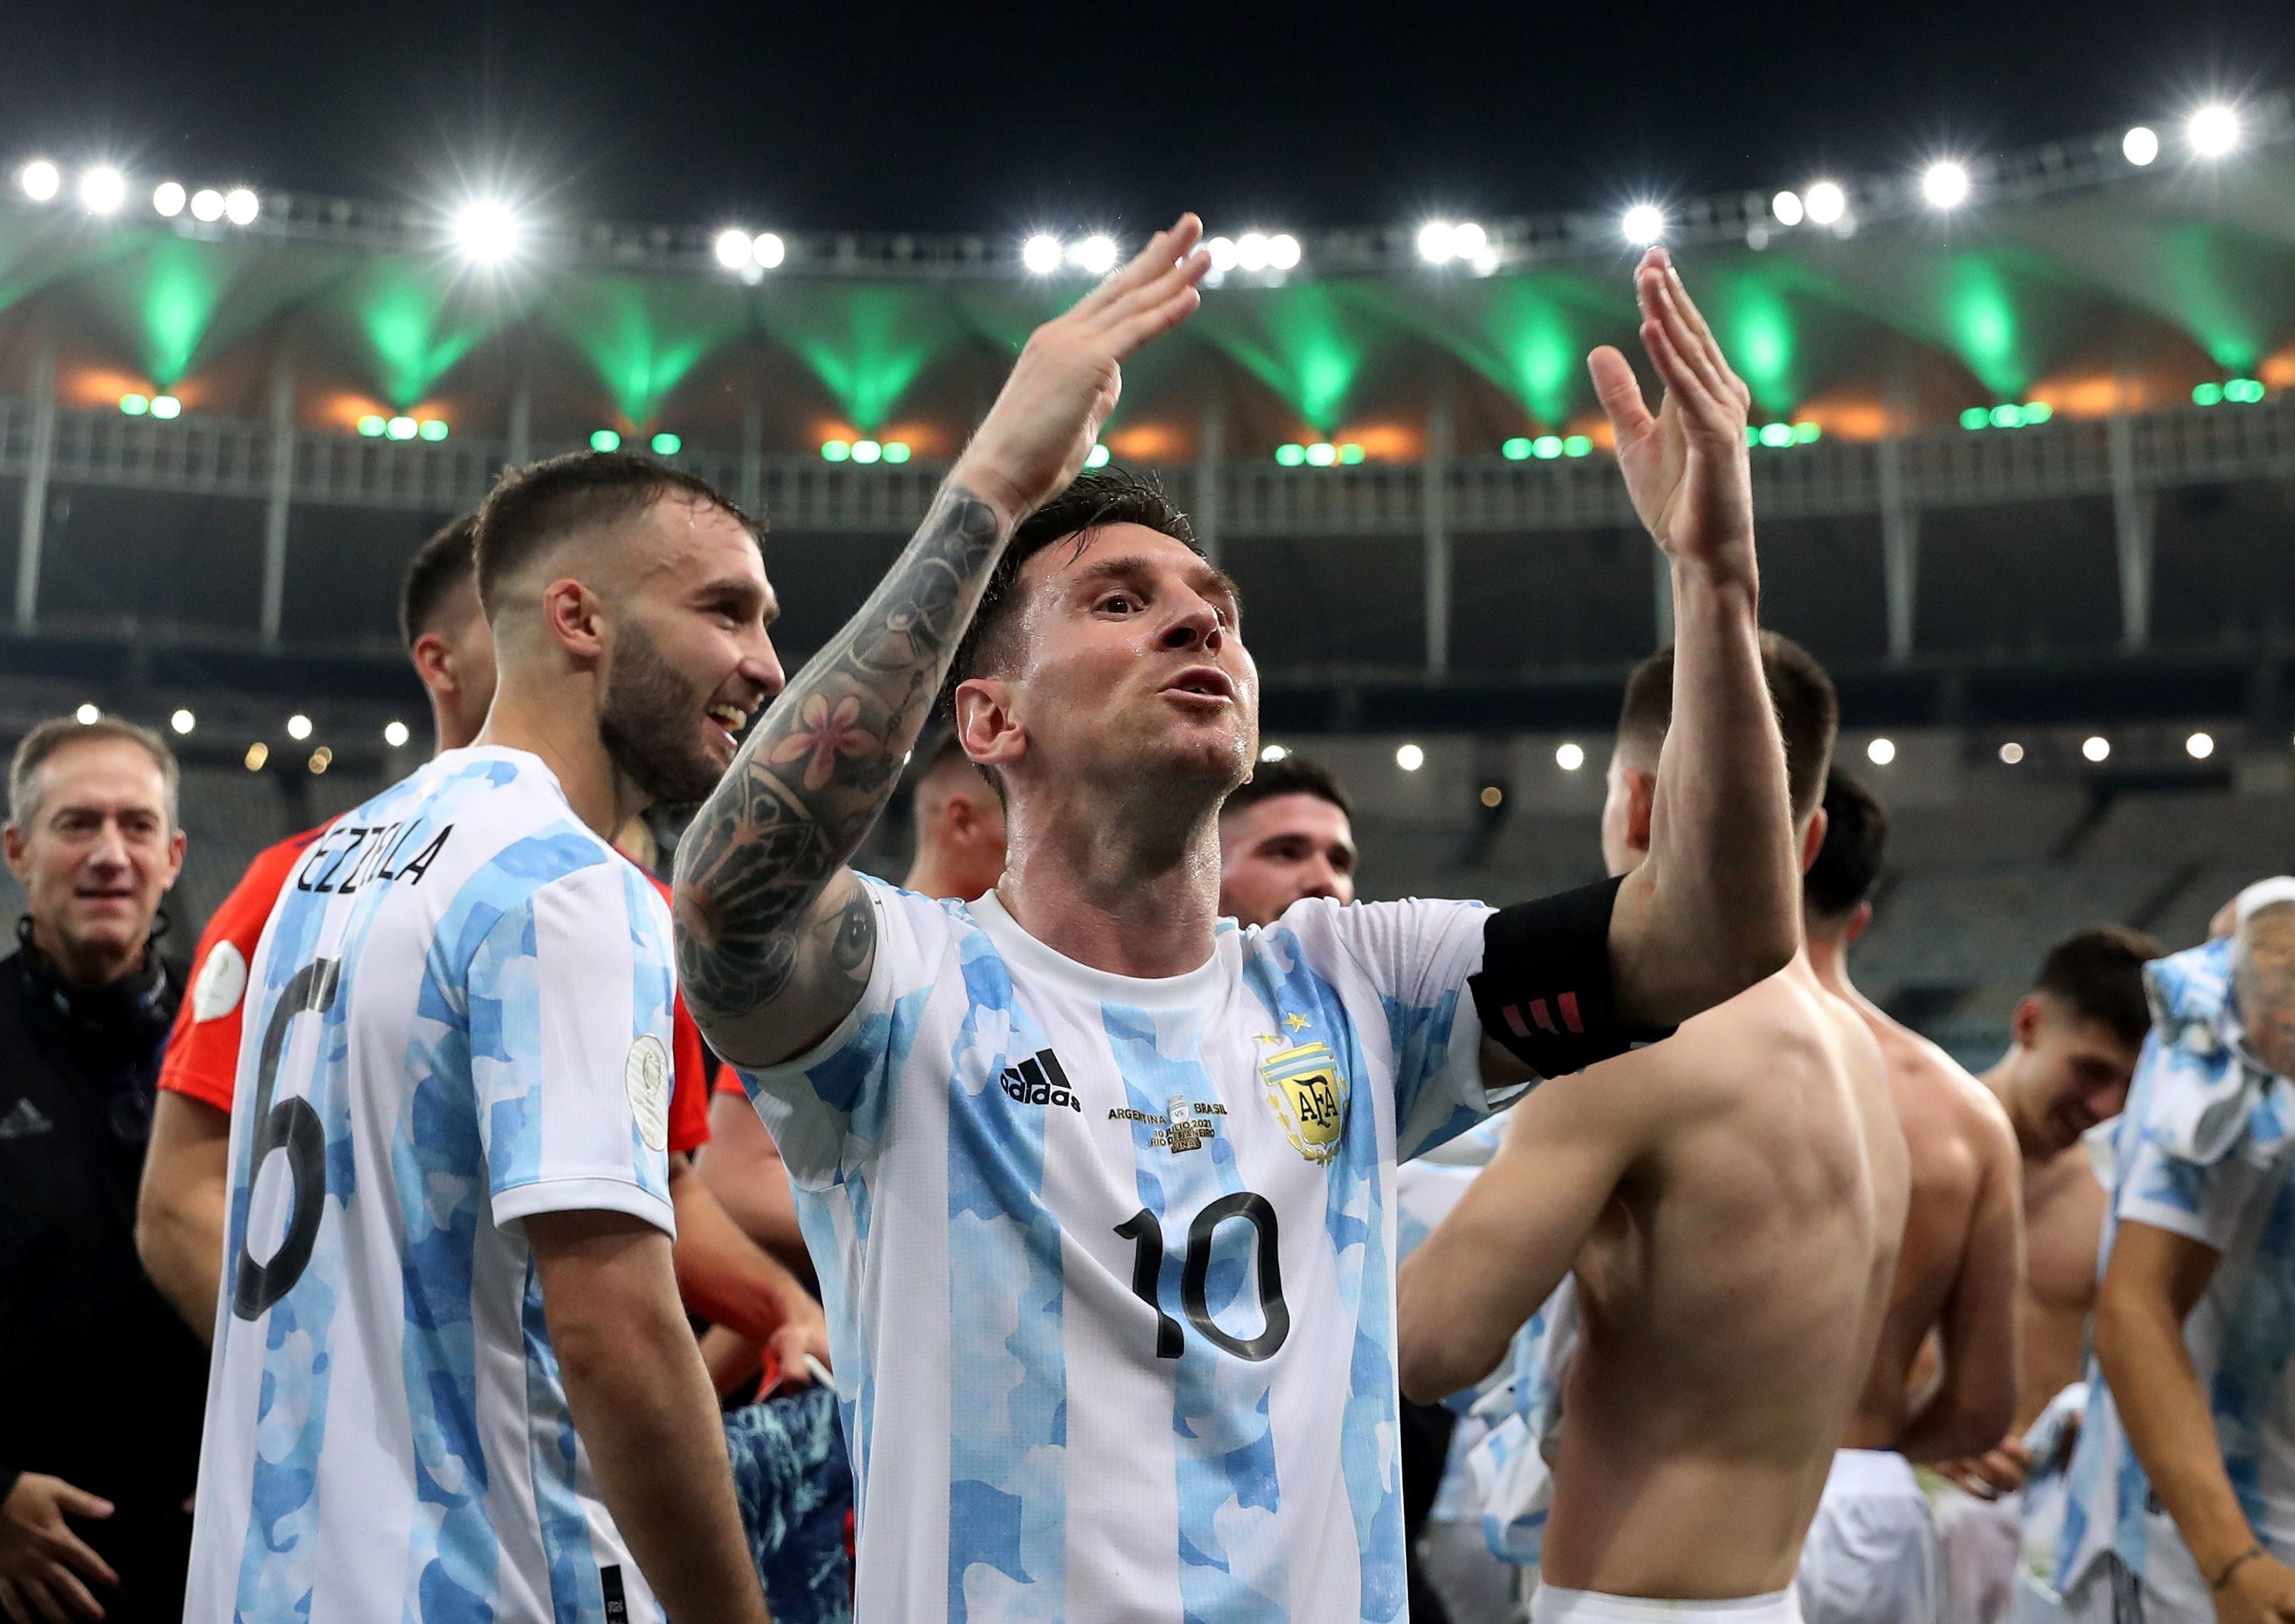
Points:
(1147, 1238)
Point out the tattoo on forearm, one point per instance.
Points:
(2263, 979)
(811, 779)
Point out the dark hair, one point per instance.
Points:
(437, 571)
(1847, 865)
(534, 507)
(2099, 974)
(37, 747)
(1808, 711)
(1288, 775)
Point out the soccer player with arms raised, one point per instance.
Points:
(1100, 1185)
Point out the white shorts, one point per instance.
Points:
(1553, 1606)
(1871, 1556)
(1979, 1554)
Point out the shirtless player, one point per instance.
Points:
(1871, 1551)
(1732, 1201)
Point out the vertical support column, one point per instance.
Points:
(1211, 446)
(753, 456)
(33, 518)
(283, 490)
(2132, 513)
(1900, 549)
(1661, 570)
(521, 417)
(1434, 513)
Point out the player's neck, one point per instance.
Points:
(2000, 1078)
(561, 729)
(943, 877)
(1827, 954)
(1131, 895)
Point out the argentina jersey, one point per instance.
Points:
(458, 1016)
(1109, 1262)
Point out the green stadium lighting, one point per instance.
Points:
(1807, 434)
(402, 428)
(1577, 445)
(2208, 395)
(898, 451)
(1776, 434)
(667, 445)
(2246, 391)
(1517, 450)
(1096, 457)
(1351, 454)
(605, 439)
(1290, 456)
(1976, 417)
(167, 406)
(835, 451)
(2037, 412)
(1546, 447)
(867, 451)
(371, 426)
(434, 430)
(1322, 453)
(134, 405)
(2009, 415)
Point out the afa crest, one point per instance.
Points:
(1309, 1095)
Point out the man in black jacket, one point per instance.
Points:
(100, 1383)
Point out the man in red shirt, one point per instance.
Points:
(722, 1274)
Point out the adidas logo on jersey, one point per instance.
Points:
(1038, 1080)
(25, 1121)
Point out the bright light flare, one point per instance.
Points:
(206, 205)
(486, 232)
(1222, 253)
(1881, 751)
(167, 199)
(240, 206)
(298, 727)
(735, 250)
(1273, 753)
(183, 722)
(1283, 251)
(1040, 254)
(2139, 146)
(41, 180)
(2096, 747)
(1944, 184)
(394, 735)
(1095, 256)
(103, 190)
(2213, 131)
(1570, 757)
(2198, 747)
(1828, 202)
(1644, 224)
(2012, 753)
(1410, 758)
(1252, 251)
(88, 715)
(1786, 206)
(769, 250)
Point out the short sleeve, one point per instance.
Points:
(1416, 955)
(826, 1108)
(569, 998)
(2202, 1202)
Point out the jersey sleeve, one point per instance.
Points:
(2200, 1201)
(689, 1096)
(1415, 956)
(203, 1053)
(826, 1108)
(570, 997)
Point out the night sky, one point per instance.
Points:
(994, 118)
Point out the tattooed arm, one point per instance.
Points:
(775, 935)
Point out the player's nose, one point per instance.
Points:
(1195, 625)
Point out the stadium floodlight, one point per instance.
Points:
(1290, 455)
(2096, 747)
(41, 180)
(1642, 225)
(899, 451)
(322, 759)
(1787, 206)
(2213, 131)
(605, 439)
(1095, 256)
(1517, 450)
(1410, 758)
(88, 715)
(486, 232)
(435, 429)
(298, 727)
(169, 197)
(1944, 184)
(1577, 445)
(2140, 145)
(402, 428)
(837, 451)
(1570, 757)
(1283, 251)
(240, 206)
(1322, 453)
(2198, 747)
(1546, 447)
(1222, 252)
(1252, 251)
(371, 425)
(868, 451)
(167, 406)
(396, 734)
(735, 250)
(103, 190)
(1273, 753)
(769, 250)
(206, 205)
(1040, 254)
(257, 753)
(1468, 240)
(1096, 457)
(1881, 751)
(183, 722)
(134, 403)
(1828, 202)
(2011, 753)
(1438, 242)
(667, 445)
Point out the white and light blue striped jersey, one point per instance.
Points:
(2203, 1151)
(1108, 1263)
(459, 1016)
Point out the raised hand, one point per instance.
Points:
(1686, 467)
(1069, 376)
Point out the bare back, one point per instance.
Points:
(1731, 1295)
(1960, 1154)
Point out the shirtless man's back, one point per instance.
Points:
(1731, 1200)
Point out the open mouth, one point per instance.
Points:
(728, 719)
(1204, 684)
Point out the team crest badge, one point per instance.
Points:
(1310, 1093)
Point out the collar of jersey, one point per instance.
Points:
(525, 761)
(1198, 989)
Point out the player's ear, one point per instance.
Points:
(985, 725)
(1641, 804)
(575, 616)
(434, 663)
(1858, 922)
(2025, 1025)
(1812, 840)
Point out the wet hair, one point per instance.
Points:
(2098, 974)
(440, 567)
(1808, 711)
(1291, 775)
(537, 506)
(1847, 864)
(37, 747)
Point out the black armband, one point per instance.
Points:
(1544, 988)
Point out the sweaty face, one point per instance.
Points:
(692, 660)
(97, 853)
(2075, 1074)
(1131, 666)
(1277, 851)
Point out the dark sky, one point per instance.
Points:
(979, 116)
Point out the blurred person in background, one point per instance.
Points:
(1285, 834)
(99, 1383)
